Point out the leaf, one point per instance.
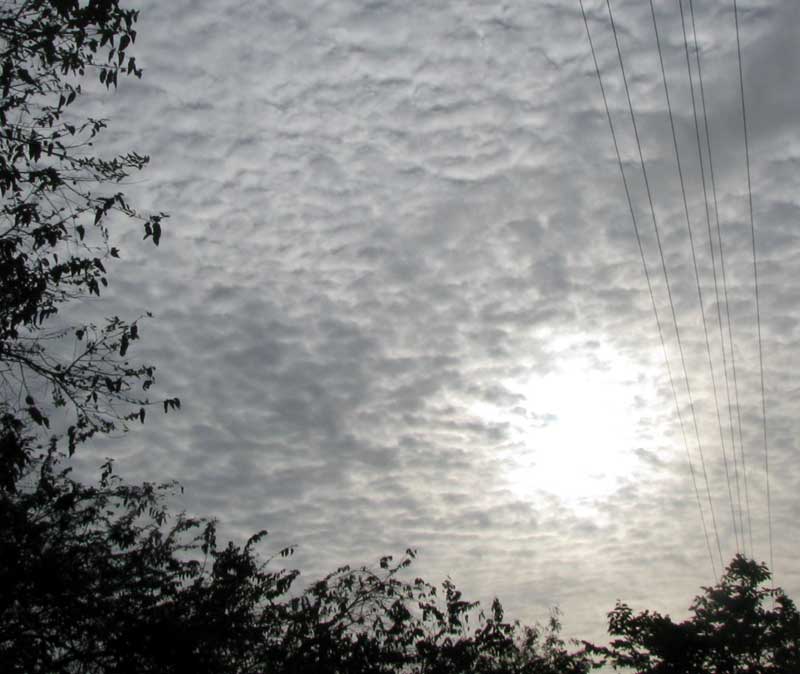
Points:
(172, 403)
(34, 150)
(38, 417)
(25, 76)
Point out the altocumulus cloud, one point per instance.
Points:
(397, 229)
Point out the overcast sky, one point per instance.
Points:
(402, 302)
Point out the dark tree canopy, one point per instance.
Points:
(102, 579)
(57, 201)
(739, 626)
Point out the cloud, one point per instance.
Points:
(389, 221)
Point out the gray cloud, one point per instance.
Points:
(391, 223)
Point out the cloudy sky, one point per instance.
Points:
(402, 302)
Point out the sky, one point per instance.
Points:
(401, 299)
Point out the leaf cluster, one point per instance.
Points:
(739, 626)
(57, 201)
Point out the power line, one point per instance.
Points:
(755, 282)
(716, 294)
(666, 280)
(727, 302)
(650, 290)
(696, 271)
(669, 291)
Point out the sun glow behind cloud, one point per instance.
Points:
(576, 428)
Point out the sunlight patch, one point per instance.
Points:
(575, 430)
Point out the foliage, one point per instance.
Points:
(739, 626)
(57, 200)
(103, 579)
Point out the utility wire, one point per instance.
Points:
(696, 273)
(755, 283)
(717, 298)
(666, 280)
(650, 290)
(727, 302)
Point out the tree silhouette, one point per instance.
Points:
(103, 579)
(57, 202)
(739, 626)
